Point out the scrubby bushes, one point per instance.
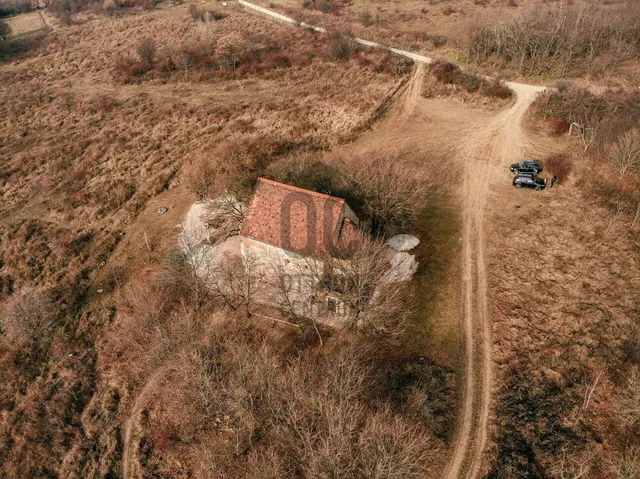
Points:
(558, 165)
(599, 119)
(342, 45)
(383, 190)
(259, 408)
(450, 74)
(565, 41)
(204, 15)
(237, 55)
(624, 153)
(325, 6)
(147, 51)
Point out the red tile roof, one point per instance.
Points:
(294, 219)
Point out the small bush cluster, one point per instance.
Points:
(230, 55)
(599, 119)
(235, 55)
(325, 6)
(342, 46)
(559, 166)
(450, 74)
(436, 41)
(64, 10)
(204, 15)
(5, 30)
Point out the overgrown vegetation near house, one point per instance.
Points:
(82, 158)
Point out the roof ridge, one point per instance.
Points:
(300, 190)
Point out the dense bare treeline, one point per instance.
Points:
(560, 41)
(261, 407)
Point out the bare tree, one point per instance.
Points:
(226, 214)
(201, 176)
(292, 289)
(393, 192)
(236, 281)
(625, 153)
(191, 265)
(373, 301)
(615, 213)
(572, 466)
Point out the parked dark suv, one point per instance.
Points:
(529, 180)
(529, 166)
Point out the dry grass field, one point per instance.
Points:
(564, 289)
(84, 154)
(445, 29)
(113, 363)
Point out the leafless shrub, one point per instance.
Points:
(392, 449)
(236, 281)
(27, 317)
(231, 49)
(183, 58)
(390, 190)
(366, 18)
(625, 465)
(226, 214)
(615, 214)
(572, 466)
(146, 51)
(374, 302)
(596, 119)
(450, 74)
(5, 30)
(204, 15)
(559, 166)
(190, 266)
(289, 290)
(625, 153)
(201, 177)
(342, 46)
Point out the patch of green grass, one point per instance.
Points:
(434, 328)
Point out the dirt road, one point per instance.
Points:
(485, 156)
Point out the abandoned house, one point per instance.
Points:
(285, 239)
(293, 229)
(284, 219)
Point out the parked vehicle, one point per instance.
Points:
(529, 180)
(528, 166)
